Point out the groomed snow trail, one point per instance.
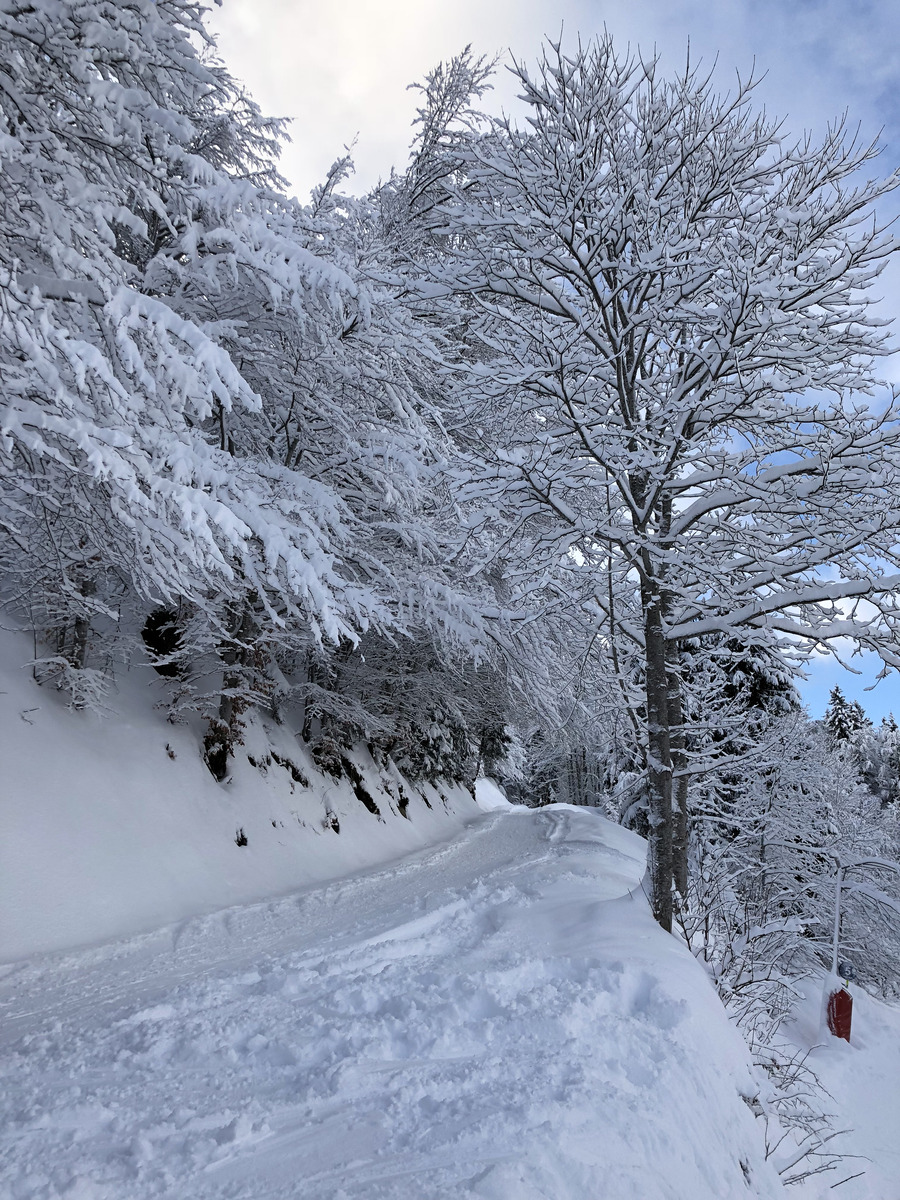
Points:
(496, 1017)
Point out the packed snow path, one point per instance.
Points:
(496, 1017)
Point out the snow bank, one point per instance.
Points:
(497, 1018)
(112, 826)
(490, 797)
(495, 1015)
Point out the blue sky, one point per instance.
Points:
(341, 71)
(825, 673)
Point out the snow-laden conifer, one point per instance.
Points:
(212, 400)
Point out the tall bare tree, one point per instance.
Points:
(669, 374)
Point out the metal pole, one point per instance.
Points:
(837, 920)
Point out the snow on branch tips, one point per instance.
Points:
(667, 304)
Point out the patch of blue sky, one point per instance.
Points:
(823, 672)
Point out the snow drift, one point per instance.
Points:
(494, 1015)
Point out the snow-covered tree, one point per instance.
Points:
(759, 910)
(668, 350)
(878, 754)
(213, 405)
(409, 204)
(127, 179)
(761, 902)
(843, 717)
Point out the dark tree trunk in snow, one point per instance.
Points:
(82, 629)
(680, 830)
(224, 729)
(659, 757)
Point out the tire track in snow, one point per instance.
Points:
(147, 965)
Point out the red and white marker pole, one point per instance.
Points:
(840, 1002)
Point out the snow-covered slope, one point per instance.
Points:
(114, 825)
(863, 1079)
(498, 1017)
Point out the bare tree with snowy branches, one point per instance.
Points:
(669, 375)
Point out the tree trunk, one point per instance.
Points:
(680, 829)
(659, 757)
(82, 633)
(224, 729)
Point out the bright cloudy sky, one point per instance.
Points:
(340, 69)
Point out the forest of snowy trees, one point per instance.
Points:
(551, 458)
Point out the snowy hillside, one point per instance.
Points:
(113, 826)
(446, 998)
(495, 1015)
(862, 1078)
(498, 1017)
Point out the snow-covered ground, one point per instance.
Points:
(863, 1080)
(443, 999)
(113, 825)
(496, 1017)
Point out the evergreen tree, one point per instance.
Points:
(843, 717)
(878, 754)
(214, 404)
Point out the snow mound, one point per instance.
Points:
(490, 797)
(863, 1079)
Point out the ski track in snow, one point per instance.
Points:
(497, 1017)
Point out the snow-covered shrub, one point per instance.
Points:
(770, 842)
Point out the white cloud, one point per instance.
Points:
(342, 70)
